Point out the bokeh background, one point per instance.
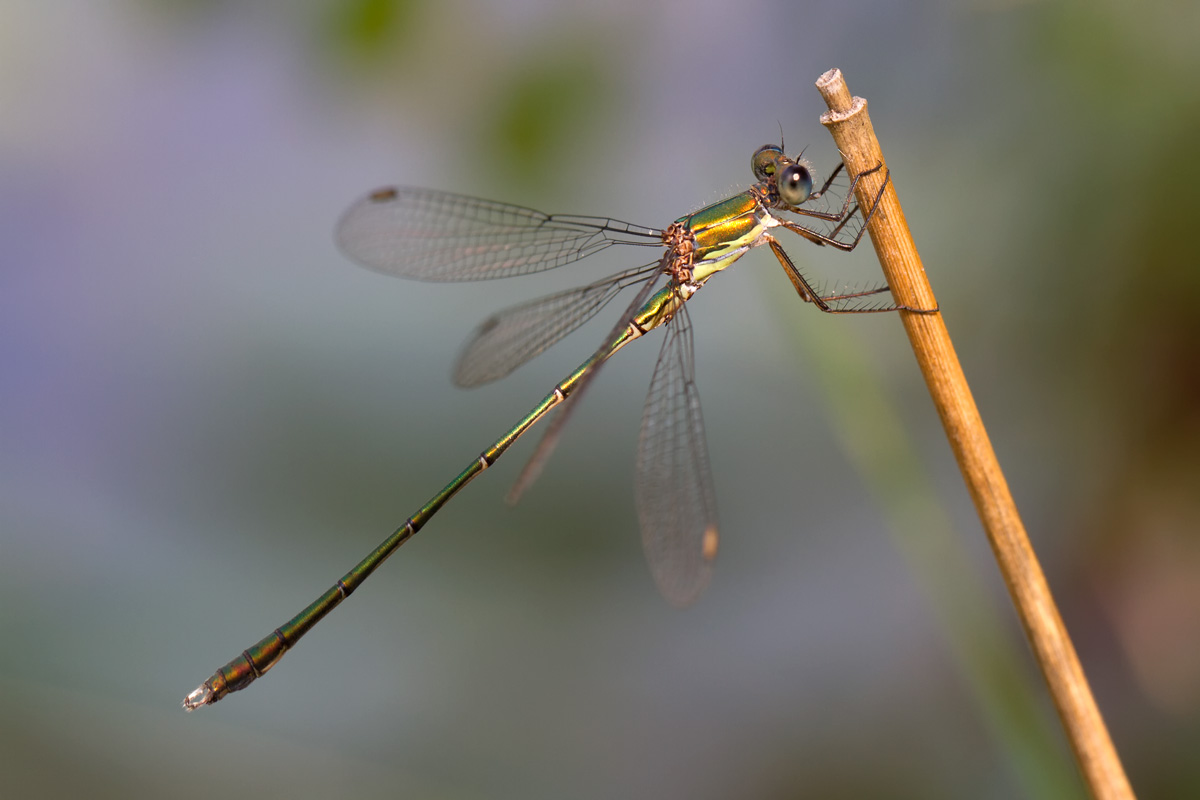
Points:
(207, 414)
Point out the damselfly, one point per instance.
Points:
(436, 236)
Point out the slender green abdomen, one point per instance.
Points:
(256, 660)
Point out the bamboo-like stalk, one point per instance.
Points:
(850, 125)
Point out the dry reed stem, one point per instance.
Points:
(850, 126)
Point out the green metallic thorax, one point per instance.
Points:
(724, 232)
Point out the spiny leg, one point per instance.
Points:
(829, 182)
(823, 302)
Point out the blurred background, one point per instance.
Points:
(207, 414)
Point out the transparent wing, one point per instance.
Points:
(438, 236)
(508, 339)
(533, 467)
(673, 484)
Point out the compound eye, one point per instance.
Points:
(763, 162)
(794, 183)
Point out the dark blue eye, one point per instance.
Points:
(763, 162)
(794, 183)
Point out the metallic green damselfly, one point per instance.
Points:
(437, 236)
